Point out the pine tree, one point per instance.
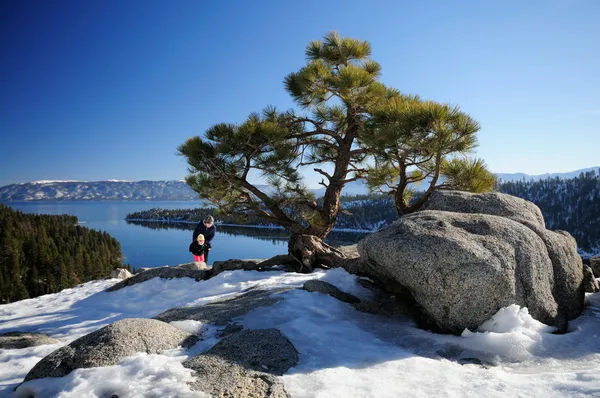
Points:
(415, 142)
(338, 87)
(63, 282)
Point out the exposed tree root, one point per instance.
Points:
(311, 252)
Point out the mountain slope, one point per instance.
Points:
(506, 177)
(177, 190)
(571, 204)
(99, 190)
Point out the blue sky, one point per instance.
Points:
(95, 90)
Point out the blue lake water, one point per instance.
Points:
(158, 244)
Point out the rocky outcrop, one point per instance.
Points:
(198, 271)
(595, 265)
(120, 273)
(200, 265)
(232, 265)
(590, 284)
(14, 340)
(468, 255)
(161, 272)
(245, 364)
(315, 285)
(221, 312)
(108, 345)
(492, 203)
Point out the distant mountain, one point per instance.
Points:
(178, 190)
(505, 177)
(98, 190)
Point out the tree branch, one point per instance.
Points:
(323, 173)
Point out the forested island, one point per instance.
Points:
(42, 254)
(364, 213)
(571, 204)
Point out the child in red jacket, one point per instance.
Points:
(199, 249)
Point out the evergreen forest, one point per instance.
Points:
(42, 254)
(572, 205)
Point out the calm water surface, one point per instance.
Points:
(158, 244)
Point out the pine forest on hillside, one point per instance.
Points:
(42, 254)
(572, 205)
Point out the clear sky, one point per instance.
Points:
(94, 90)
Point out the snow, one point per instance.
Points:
(42, 182)
(343, 352)
(134, 376)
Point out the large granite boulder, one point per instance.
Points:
(14, 340)
(468, 255)
(245, 364)
(567, 265)
(108, 345)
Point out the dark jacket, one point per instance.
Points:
(209, 233)
(198, 249)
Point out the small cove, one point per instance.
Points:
(155, 244)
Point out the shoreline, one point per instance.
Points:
(350, 230)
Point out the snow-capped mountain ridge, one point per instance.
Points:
(527, 177)
(98, 190)
(176, 189)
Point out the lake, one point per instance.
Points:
(158, 244)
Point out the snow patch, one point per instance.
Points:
(510, 334)
(141, 375)
(42, 182)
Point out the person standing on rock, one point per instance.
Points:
(208, 229)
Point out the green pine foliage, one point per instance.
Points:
(416, 142)
(41, 254)
(468, 174)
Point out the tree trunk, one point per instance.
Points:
(311, 252)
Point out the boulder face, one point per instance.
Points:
(108, 345)
(492, 203)
(589, 282)
(468, 255)
(245, 364)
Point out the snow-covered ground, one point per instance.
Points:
(343, 352)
